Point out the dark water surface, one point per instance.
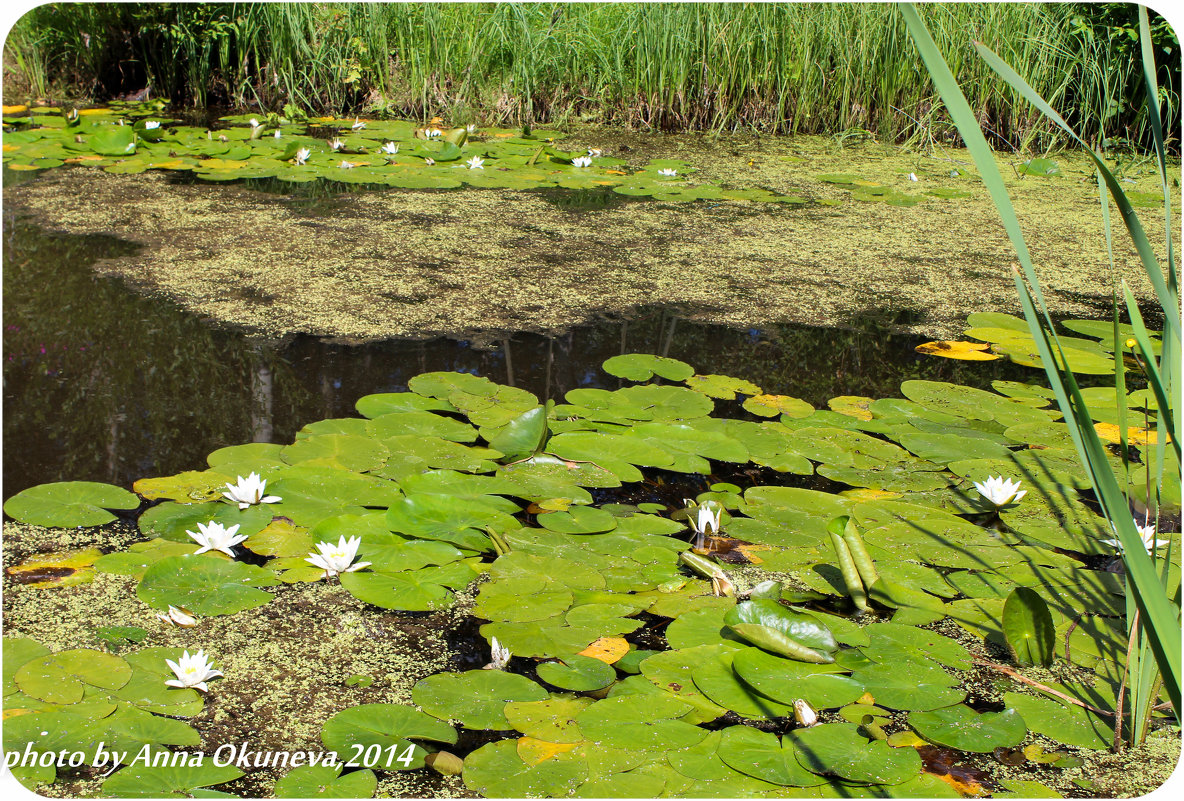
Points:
(102, 383)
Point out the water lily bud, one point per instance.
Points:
(804, 714)
(445, 763)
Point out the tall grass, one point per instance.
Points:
(779, 67)
(1153, 616)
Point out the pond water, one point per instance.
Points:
(104, 384)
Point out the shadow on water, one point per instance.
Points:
(106, 384)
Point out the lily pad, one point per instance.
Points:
(167, 781)
(961, 727)
(763, 756)
(390, 727)
(326, 781)
(475, 698)
(66, 504)
(839, 750)
(578, 673)
(205, 585)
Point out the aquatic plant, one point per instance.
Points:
(339, 558)
(1000, 491)
(192, 671)
(1153, 615)
(459, 477)
(249, 491)
(213, 536)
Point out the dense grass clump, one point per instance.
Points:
(779, 67)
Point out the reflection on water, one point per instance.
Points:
(104, 384)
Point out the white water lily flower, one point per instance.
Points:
(302, 155)
(254, 123)
(347, 165)
(581, 161)
(336, 144)
(429, 161)
(249, 491)
(912, 176)
(390, 148)
(151, 125)
(471, 128)
(277, 133)
(499, 656)
(432, 133)
(335, 559)
(1147, 532)
(178, 616)
(706, 520)
(1000, 491)
(193, 671)
(476, 163)
(594, 152)
(358, 125)
(669, 173)
(214, 536)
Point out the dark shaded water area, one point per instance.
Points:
(104, 383)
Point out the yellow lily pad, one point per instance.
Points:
(534, 752)
(1135, 436)
(965, 351)
(855, 406)
(56, 569)
(607, 649)
(14, 109)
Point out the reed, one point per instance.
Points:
(776, 67)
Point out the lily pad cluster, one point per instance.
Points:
(630, 672)
(394, 153)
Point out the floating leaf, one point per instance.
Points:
(838, 749)
(67, 504)
(326, 781)
(764, 756)
(205, 585)
(61, 678)
(390, 727)
(962, 728)
(475, 698)
(578, 673)
(167, 781)
(777, 629)
(965, 351)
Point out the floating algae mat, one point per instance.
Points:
(133, 138)
(622, 660)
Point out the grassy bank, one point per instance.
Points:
(786, 68)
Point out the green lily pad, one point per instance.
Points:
(390, 727)
(167, 781)
(496, 771)
(326, 781)
(409, 591)
(838, 749)
(205, 585)
(763, 756)
(643, 367)
(578, 673)
(622, 722)
(63, 677)
(552, 720)
(961, 727)
(67, 504)
(722, 386)
(476, 698)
